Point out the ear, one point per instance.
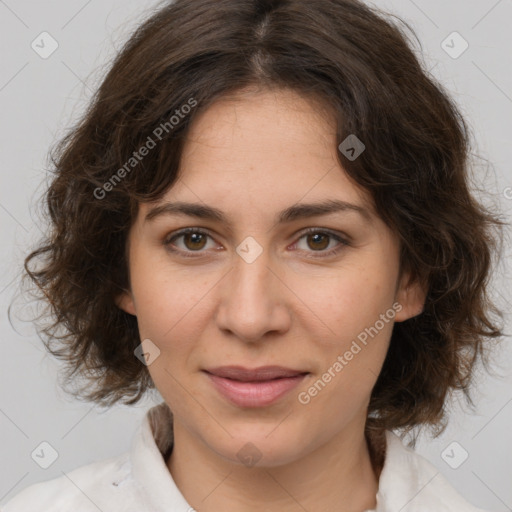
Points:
(411, 295)
(125, 302)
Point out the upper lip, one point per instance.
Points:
(256, 374)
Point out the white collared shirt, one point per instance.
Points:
(139, 481)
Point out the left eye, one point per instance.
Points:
(195, 240)
(318, 239)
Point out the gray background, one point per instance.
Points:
(40, 97)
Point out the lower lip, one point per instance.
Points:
(254, 394)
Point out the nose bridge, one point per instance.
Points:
(251, 302)
(251, 270)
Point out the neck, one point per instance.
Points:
(339, 475)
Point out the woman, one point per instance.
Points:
(265, 215)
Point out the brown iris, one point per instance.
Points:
(316, 236)
(196, 238)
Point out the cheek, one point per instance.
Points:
(352, 340)
(345, 302)
(165, 311)
(164, 297)
(169, 313)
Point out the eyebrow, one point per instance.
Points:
(295, 212)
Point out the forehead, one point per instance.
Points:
(262, 156)
(264, 121)
(266, 143)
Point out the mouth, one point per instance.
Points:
(257, 387)
(263, 373)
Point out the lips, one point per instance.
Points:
(262, 373)
(258, 387)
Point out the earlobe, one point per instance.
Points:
(411, 295)
(125, 302)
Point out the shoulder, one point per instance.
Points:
(88, 488)
(411, 483)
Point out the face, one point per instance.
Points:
(316, 293)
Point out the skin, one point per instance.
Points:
(252, 155)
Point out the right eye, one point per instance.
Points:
(193, 239)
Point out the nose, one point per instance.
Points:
(253, 300)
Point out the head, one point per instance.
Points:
(248, 120)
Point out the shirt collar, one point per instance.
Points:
(403, 476)
(153, 439)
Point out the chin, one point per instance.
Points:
(252, 446)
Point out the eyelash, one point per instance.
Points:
(187, 254)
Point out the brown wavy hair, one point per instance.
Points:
(361, 64)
